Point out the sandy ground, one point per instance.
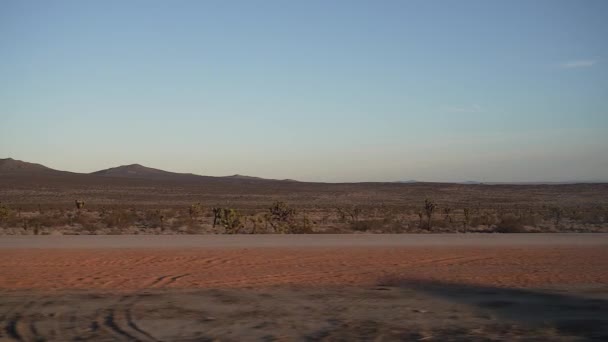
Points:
(436, 288)
(135, 269)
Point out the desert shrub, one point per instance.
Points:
(466, 212)
(119, 218)
(194, 211)
(592, 217)
(231, 220)
(366, 225)
(441, 223)
(217, 215)
(420, 217)
(574, 214)
(31, 224)
(476, 221)
(350, 215)
(446, 212)
(183, 221)
(194, 229)
(488, 218)
(429, 208)
(5, 211)
(82, 219)
(257, 223)
(302, 226)
(380, 225)
(154, 219)
(39, 222)
(530, 219)
(281, 217)
(557, 214)
(49, 219)
(172, 213)
(325, 218)
(510, 223)
(8, 217)
(394, 227)
(386, 226)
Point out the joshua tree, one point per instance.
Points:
(487, 217)
(351, 215)
(217, 216)
(420, 215)
(280, 216)
(4, 211)
(231, 220)
(557, 214)
(79, 204)
(341, 214)
(446, 212)
(467, 218)
(161, 218)
(305, 226)
(429, 208)
(194, 210)
(254, 220)
(70, 216)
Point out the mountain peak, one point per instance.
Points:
(132, 170)
(238, 176)
(10, 165)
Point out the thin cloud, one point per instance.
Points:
(474, 108)
(581, 63)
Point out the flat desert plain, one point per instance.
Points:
(431, 287)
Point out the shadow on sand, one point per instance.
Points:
(583, 315)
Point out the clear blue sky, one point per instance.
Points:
(311, 90)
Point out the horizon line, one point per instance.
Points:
(412, 181)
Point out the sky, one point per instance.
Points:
(335, 91)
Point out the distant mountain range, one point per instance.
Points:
(9, 166)
(17, 169)
(412, 181)
(509, 183)
(13, 167)
(140, 171)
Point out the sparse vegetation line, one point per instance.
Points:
(282, 218)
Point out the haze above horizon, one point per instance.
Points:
(340, 91)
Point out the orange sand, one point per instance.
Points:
(134, 269)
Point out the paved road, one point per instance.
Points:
(312, 240)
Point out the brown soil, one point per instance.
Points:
(511, 291)
(134, 269)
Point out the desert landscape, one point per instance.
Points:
(133, 199)
(337, 171)
(134, 254)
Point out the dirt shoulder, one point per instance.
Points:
(154, 268)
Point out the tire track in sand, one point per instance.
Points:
(118, 321)
(19, 323)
